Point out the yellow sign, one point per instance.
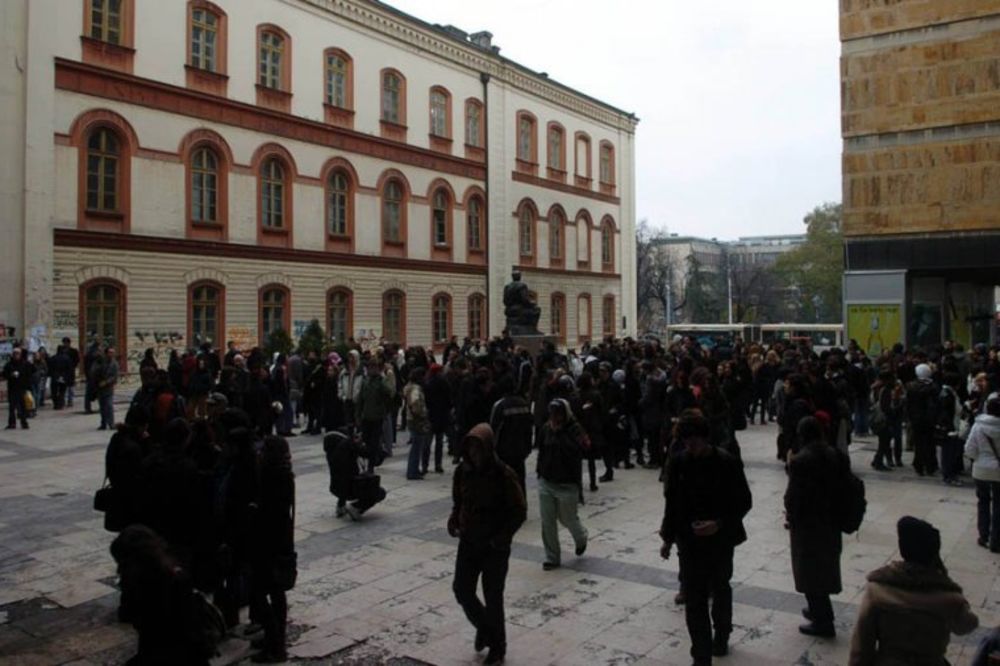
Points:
(876, 327)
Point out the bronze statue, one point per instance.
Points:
(522, 314)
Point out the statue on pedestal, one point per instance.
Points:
(522, 314)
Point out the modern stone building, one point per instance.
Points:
(921, 169)
(181, 171)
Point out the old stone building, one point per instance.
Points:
(921, 169)
(190, 171)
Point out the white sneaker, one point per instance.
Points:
(353, 512)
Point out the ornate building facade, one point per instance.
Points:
(190, 171)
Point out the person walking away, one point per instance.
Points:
(17, 371)
(706, 498)
(814, 475)
(983, 448)
(886, 421)
(59, 371)
(439, 408)
(591, 416)
(559, 467)
(371, 407)
(332, 409)
(274, 563)
(90, 358)
(922, 413)
(123, 461)
(74, 363)
(107, 379)
(910, 609)
(418, 423)
(40, 380)
(513, 426)
(949, 428)
(199, 386)
(488, 507)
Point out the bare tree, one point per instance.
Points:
(657, 278)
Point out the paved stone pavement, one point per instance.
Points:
(379, 591)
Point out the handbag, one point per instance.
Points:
(104, 498)
(29, 401)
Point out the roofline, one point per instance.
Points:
(440, 31)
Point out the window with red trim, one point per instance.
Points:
(477, 317)
(394, 316)
(339, 315)
(474, 222)
(608, 316)
(206, 314)
(275, 311)
(557, 314)
(441, 318)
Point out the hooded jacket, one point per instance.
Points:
(488, 505)
(985, 465)
(907, 616)
(560, 451)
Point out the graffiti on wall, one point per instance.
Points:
(367, 338)
(160, 341)
(243, 337)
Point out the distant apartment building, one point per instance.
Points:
(920, 85)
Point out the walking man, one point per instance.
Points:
(372, 406)
(107, 378)
(488, 508)
(560, 456)
(707, 496)
(18, 373)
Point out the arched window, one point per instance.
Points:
(441, 318)
(583, 229)
(557, 313)
(557, 239)
(473, 123)
(607, 245)
(392, 98)
(583, 318)
(583, 168)
(204, 39)
(440, 212)
(556, 151)
(108, 29)
(204, 186)
(394, 316)
(527, 148)
(103, 171)
(338, 204)
(607, 172)
(526, 234)
(608, 316)
(272, 194)
(337, 79)
(440, 113)
(392, 212)
(205, 313)
(474, 221)
(271, 60)
(103, 314)
(339, 315)
(275, 311)
(477, 317)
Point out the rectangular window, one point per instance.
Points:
(204, 36)
(106, 20)
(524, 139)
(555, 149)
(336, 81)
(440, 227)
(473, 123)
(439, 114)
(271, 47)
(390, 98)
(606, 165)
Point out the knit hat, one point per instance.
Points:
(618, 377)
(924, 371)
(919, 541)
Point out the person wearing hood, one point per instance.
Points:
(921, 410)
(559, 466)
(910, 608)
(350, 384)
(982, 448)
(488, 507)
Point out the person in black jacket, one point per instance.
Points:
(273, 560)
(437, 393)
(814, 475)
(18, 373)
(797, 406)
(488, 508)
(707, 497)
(922, 413)
(123, 462)
(513, 424)
(559, 466)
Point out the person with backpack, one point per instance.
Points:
(418, 423)
(811, 512)
(513, 425)
(983, 448)
(947, 429)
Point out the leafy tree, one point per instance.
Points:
(816, 266)
(313, 339)
(277, 342)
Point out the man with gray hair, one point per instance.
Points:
(921, 411)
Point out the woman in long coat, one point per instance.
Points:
(810, 506)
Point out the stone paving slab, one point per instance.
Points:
(379, 591)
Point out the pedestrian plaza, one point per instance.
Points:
(379, 591)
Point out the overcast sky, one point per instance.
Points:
(738, 100)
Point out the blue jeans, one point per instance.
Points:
(106, 402)
(419, 442)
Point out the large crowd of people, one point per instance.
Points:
(203, 495)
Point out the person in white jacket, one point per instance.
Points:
(982, 448)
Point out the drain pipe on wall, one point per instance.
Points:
(485, 78)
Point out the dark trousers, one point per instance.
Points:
(371, 434)
(58, 394)
(106, 402)
(90, 395)
(758, 401)
(884, 452)
(270, 607)
(988, 505)
(16, 408)
(475, 560)
(924, 458)
(438, 451)
(707, 567)
(951, 457)
(820, 609)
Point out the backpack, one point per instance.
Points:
(877, 421)
(206, 625)
(851, 503)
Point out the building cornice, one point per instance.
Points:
(400, 27)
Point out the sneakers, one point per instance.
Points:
(353, 512)
(494, 656)
(341, 511)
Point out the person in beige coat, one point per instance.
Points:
(911, 608)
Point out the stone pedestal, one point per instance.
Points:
(533, 343)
